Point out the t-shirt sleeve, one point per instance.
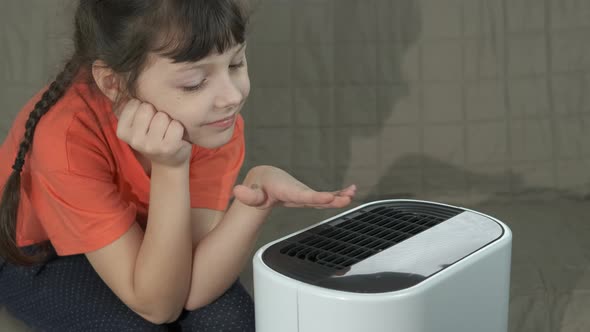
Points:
(80, 214)
(214, 172)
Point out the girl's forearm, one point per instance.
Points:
(220, 256)
(163, 266)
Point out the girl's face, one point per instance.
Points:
(205, 96)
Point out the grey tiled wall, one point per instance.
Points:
(34, 38)
(441, 99)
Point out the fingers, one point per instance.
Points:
(126, 117)
(158, 127)
(174, 132)
(315, 198)
(337, 202)
(134, 122)
(348, 191)
(142, 120)
(309, 197)
(322, 200)
(153, 133)
(306, 199)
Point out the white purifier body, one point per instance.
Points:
(392, 265)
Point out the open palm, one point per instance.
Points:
(267, 186)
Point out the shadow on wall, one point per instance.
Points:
(482, 187)
(398, 27)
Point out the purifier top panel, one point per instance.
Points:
(382, 247)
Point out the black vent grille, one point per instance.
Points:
(362, 233)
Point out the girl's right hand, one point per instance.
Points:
(153, 134)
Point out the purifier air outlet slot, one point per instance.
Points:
(359, 235)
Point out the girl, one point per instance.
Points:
(114, 217)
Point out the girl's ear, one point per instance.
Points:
(107, 80)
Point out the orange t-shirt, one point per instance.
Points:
(82, 187)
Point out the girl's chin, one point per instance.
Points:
(215, 140)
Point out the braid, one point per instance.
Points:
(9, 204)
(55, 91)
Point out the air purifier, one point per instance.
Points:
(387, 266)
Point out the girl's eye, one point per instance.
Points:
(194, 87)
(199, 86)
(237, 65)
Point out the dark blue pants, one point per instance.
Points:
(66, 294)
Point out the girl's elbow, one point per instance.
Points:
(194, 303)
(161, 316)
(158, 312)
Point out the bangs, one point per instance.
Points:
(196, 29)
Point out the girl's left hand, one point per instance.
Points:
(267, 186)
